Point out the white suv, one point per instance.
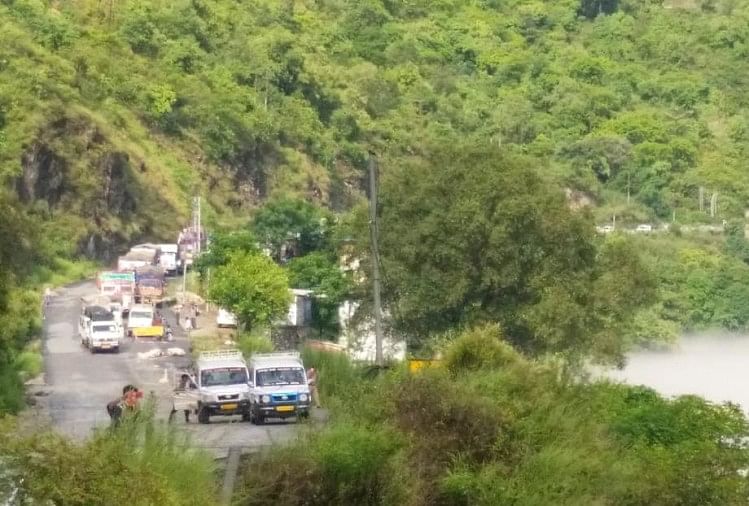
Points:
(278, 386)
(222, 381)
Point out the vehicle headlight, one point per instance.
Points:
(303, 397)
(266, 399)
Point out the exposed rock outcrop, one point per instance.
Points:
(43, 175)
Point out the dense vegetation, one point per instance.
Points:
(484, 114)
(142, 463)
(490, 427)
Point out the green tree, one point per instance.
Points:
(252, 287)
(471, 234)
(318, 272)
(295, 225)
(222, 246)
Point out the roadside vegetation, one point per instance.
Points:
(144, 462)
(505, 131)
(488, 426)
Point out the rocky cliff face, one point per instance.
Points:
(72, 169)
(43, 177)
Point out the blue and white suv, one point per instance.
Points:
(278, 386)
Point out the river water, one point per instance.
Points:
(712, 365)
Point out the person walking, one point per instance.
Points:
(47, 299)
(185, 383)
(312, 383)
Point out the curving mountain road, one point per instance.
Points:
(78, 384)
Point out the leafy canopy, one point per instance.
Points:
(222, 246)
(295, 225)
(472, 234)
(253, 287)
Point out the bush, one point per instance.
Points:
(253, 343)
(480, 348)
(344, 464)
(29, 363)
(336, 375)
(140, 463)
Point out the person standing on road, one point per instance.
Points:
(312, 383)
(47, 298)
(185, 383)
(193, 316)
(128, 403)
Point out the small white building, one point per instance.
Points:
(360, 340)
(300, 309)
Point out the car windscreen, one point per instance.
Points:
(140, 314)
(223, 376)
(280, 376)
(105, 328)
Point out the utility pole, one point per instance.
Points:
(200, 230)
(379, 360)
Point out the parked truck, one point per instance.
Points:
(136, 258)
(144, 321)
(98, 326)
(149, 285)
(168, 259)
(118, 286)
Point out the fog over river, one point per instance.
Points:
(714, 365)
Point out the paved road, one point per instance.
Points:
(78, 384)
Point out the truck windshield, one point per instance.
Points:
(105, 328)
(223, 376)
(280, 376)
(140, 314)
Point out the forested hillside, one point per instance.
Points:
(112, 114)
(266, 96)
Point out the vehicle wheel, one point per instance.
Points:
(259, 419)
(304, 414)
(92, 350)
(247, 417)
(203, 416)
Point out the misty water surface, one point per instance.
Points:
(712, 365)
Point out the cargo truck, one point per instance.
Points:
(135, 259)
(118, 286)
(168, 260)
(149, 285)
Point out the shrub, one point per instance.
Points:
(253, 343)
(480, 348)
(336, 374)
(344, 464)
(140, 463)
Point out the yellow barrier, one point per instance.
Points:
(416, 364)
(155, 331)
